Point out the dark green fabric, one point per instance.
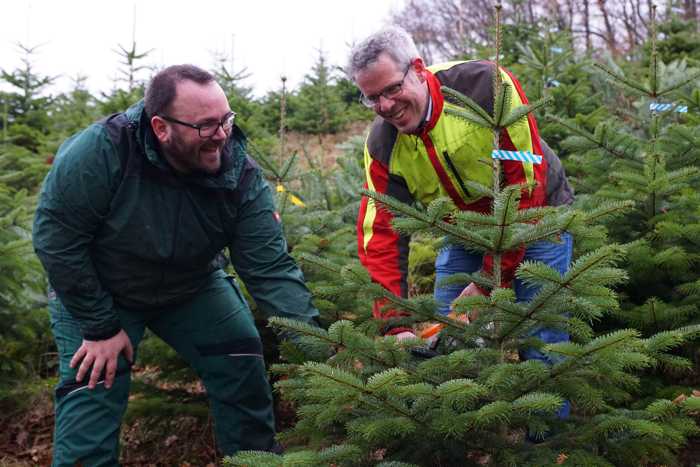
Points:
(144, 236)
(214, 332)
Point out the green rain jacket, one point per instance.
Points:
(117, 225)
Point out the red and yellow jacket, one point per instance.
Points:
(435, 163)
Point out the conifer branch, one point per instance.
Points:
(428, 314)
(607, 209)
(369, 354)
(668, 340)
(480, 117)
(504, 209)
(601, 144)
(523, 110)
(541, 231)
(478, 189)
(475, 218)
(438, 224)
(501, 108)
(580, 268)
(623, 81)
(693, 77)
(288, 166)
(346, 379)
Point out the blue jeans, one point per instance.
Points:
(557, 255)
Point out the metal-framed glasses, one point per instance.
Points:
(390, 92)
(207, 129)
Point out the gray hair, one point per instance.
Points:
(392, 40)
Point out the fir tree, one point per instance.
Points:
(365, 400)
(650, 157)
(319, 108)
(72, 111)
(119, 98)
(24, 337)
(248, 115)
(24, 109)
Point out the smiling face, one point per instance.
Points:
(405, 110)
(182, 146)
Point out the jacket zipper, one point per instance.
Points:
(456, 174)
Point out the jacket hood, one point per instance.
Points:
(232, 158)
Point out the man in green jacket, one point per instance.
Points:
(130, 221)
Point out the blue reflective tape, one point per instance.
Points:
(556, 50)
(522, 156)
(659, 107)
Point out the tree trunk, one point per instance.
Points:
(587, 26)
(691, 12)
(610, 33)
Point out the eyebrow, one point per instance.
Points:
(215, 120)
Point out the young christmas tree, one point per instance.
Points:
(23, 338)
(648, 152)
(369, 400)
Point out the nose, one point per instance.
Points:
(384, 104)
(220, 134)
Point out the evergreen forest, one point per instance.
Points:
(615, 89)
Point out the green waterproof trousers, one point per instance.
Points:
(214, 332)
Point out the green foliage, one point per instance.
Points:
(650, 158)
(131, 65)
(678, 38)
(77, 109)
(25, 119)
(367, 400)
(248, 115)
(479, 399)
(319, 107)
(23, 338)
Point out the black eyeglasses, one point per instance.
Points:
(208, 129)
(390, 92)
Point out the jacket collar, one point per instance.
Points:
(438, 102)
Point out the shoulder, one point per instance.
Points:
(465, 76)
(472, 78)
(88, 146)
(87, 155)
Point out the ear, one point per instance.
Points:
(419, 66)
(160, 128)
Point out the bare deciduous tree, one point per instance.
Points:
(447, 29)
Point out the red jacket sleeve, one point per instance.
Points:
(381, 250)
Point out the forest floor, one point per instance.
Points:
(172, 437)
(167, 422)
(146, 440)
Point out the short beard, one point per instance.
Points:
(182, 155)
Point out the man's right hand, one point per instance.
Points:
(404, 335)
(102, 355)
(471, 290)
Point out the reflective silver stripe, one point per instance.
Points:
(244, 355)
(81, 388)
